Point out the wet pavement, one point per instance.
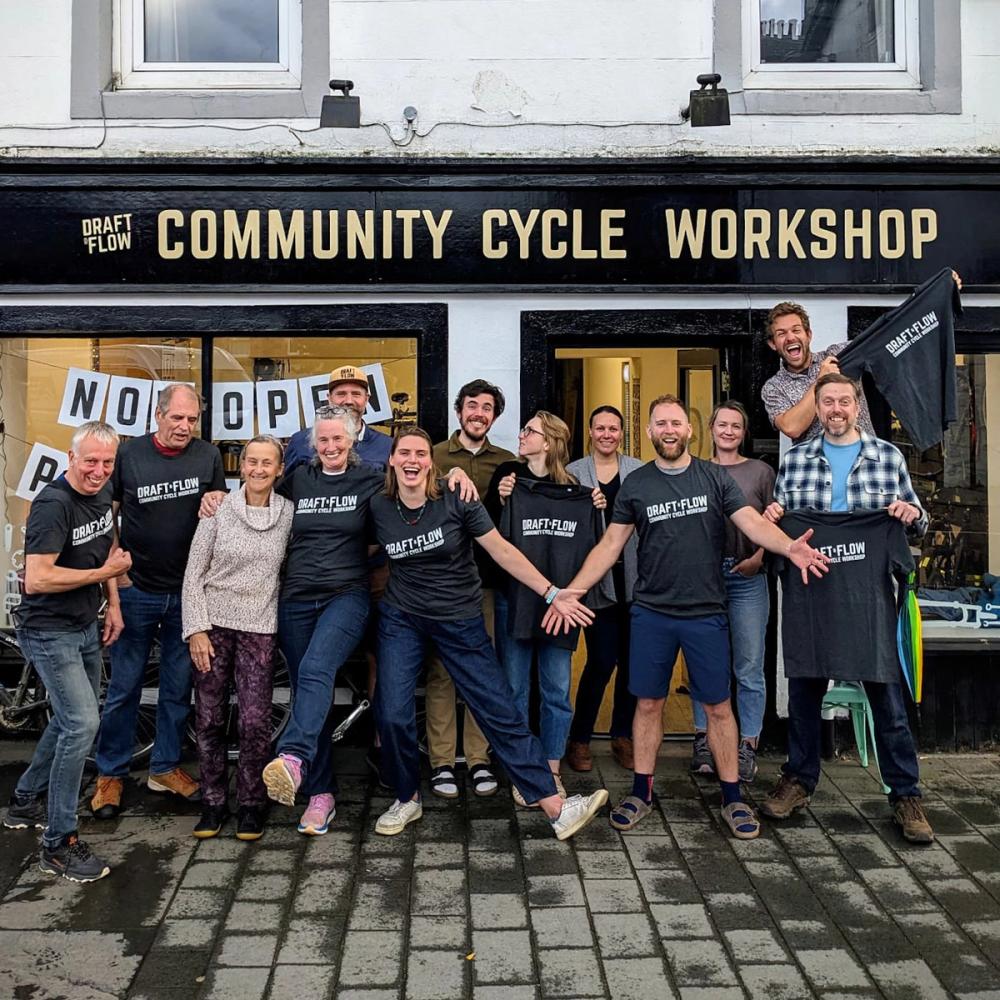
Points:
(479, 900)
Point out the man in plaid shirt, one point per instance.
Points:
(846, 469)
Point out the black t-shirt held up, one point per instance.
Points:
(159, 496)
(431, 569)
(681, 523)
(328, 546)
(80, 528)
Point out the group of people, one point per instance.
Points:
(496, 563)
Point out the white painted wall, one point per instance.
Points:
(489, 77)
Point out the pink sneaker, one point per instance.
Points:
(282, 778)
(316, 819)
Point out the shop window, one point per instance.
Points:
(814, 57)
(199, 58)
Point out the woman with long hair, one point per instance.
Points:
(543, 454)
(229, 607)
(746, 593)
(608, 638)
(433, 598)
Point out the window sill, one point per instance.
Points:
(755, 101)
(207, 104)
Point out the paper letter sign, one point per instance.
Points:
(379, 404)
(83, 397)
(44, 465)
(232, 411)
(314, 392)
(128, 404)
(278, 407)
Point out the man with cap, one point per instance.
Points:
(348, 387)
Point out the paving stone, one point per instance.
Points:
(438, 932)
(850, 903)
(435, 975)
(671, 885)
(376, 867)
(204, 903)
(897, 890)
(210, 875)
(380, 906)
(912, 980)
(755, 946)
(439, 891)
(712, 873)
(699, 963)
(774, 982)
(435, 855)
(323, 891)
(555, 890)
(255, 916)
(549, 857)
(804, 842)
(570, 973)
(268, 887)
(604, 864)
(712, 993)
(162, 968)
(809, 934)
(629, 978)
(681, 920)
(236, 984)
(621, 935)
(505, 993)
(498, 910)
(698, 837)
(832, 968)
(764, 848)
(312, 941)
(827, 868)
(503, 957)
(371, 958)
(293, 982)
(561, 927)
(654, 851)
(247, 950)
(613, 895)
(190, 933)
(866, 851)
(492, 834)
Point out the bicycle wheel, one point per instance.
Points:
(23, 706)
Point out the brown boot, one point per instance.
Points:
(107, 800)
(621, 747)
(786, 796)
(175, 782)
(578, 756)
(908, 814)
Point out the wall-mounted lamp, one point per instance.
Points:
(340, 111)
(707, 107)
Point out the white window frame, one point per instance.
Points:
(134, 73)
(903, 74)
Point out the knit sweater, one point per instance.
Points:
(233, 570)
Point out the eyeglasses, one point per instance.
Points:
(527, 432)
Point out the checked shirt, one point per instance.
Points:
(878, 477)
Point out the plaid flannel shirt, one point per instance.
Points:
(878, 477)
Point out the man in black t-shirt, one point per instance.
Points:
(678, 504)
(69, 553)
(158, 484)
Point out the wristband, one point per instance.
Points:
(551, 594)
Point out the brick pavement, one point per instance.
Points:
(480, 901)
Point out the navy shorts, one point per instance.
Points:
(655, 640)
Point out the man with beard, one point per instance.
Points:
(348, 387)
(678, 505)
(477, 406)
(848, 470)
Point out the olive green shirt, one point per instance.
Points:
(479, 467)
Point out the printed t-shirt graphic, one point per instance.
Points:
(910, 353)
(80, 529)
(431, 569)
(555, 527)
(328, 546)
(681, 522)
(159, 496)
(842, 626)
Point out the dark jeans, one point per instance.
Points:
(246, 660)
(316, 638)
(897, 757)
(607, 647)
(467, 654)
(69, 663)
(146, 614)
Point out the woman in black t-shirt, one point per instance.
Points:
(433, 599)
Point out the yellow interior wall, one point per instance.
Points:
(991, 407)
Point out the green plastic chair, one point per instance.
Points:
(851, 695)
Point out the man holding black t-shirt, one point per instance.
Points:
(678, 504)
(69, 553)
(158, 484)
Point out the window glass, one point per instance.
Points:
(827, 31)
(211, 31)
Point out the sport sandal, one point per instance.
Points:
(629, 813)
(741, 820)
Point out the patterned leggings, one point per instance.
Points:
(246, 658)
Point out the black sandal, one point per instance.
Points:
(484, 781)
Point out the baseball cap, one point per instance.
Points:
(348, 373)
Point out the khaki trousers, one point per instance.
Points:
(442, 724)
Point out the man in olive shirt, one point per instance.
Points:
(477, 406)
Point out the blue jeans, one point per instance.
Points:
(897, 756)
(146, 614)
(749, 607)
(555, 709)
(467, 654)
(69, 663)
(316, 637)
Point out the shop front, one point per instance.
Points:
(568, 283)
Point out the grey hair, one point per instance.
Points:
(167, 394)
(96, 429)
(350, 420)
(264, 439)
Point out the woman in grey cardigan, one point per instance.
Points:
(608, 638)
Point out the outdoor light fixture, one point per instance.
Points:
(708, 107)
(341, 110)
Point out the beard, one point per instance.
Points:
(670, 452)
(474, 430)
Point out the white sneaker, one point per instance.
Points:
(400, 814)
(577, 812)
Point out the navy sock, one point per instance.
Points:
(730, 792)
(642, 787)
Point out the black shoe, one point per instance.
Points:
(374, 760)
(250, 823)
(26, 813)
(73, 860)
(211, 822)
(702, 761)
